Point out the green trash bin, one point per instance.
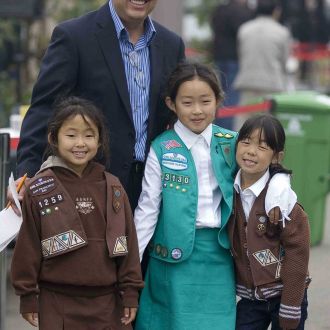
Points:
(306, 120)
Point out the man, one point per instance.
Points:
(118, 58)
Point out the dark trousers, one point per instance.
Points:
(258, 315)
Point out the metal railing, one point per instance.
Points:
(4, 168)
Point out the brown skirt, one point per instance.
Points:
(61, 312)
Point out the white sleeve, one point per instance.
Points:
(280, 194)
(146, 213)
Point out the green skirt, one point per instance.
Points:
(198, 293)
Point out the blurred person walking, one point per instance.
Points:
(263, 50)
(225, 22)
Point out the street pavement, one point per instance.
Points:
(318, 293)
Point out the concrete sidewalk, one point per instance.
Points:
(318, 293)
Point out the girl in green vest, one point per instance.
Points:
(183, 210)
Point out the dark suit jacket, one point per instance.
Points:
(84, 59)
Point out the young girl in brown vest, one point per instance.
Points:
(76, 262)
(271, 260)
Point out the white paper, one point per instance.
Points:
(10, 222)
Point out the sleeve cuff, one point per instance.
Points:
(29, 304)
(130, 298)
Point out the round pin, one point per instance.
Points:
(177, 187)
(184, 190)
(262, 219)
(171, 185)
(48, 211)
(176, 254)
(261, 227)
(56, 208)
(117, 193)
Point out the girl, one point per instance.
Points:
(76, 263)
(185, 204)
(271, 261)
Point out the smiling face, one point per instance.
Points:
(78, 142)
(254, 156)
(133, 11)
(195, 105)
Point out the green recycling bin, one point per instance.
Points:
(306, 120)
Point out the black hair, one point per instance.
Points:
(266, 7)
(274, 136)
(65, 108)
(187, 71)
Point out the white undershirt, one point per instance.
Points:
(249, 195)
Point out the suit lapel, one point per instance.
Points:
(106, 35)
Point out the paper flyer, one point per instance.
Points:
(10, 222)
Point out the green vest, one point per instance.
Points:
(174, 235)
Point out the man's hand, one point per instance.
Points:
(129, 315)
(275, 215)
(20, 195)
(32, 318)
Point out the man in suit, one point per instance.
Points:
(118, 58)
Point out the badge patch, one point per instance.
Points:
(61, 242)
(181, 179)
(176, 254)
(116, 198)
(175, 161)
(120, 246)
(170, 144)
(265, 257)
(43, 185)
(84, 205)
(45, 202)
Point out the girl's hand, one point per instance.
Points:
(21, 192)
(275, 215)
(129, 315)
(32, 318)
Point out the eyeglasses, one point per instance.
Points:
(134, 60)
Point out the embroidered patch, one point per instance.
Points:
(116, 198)
(225, 147)
(43, 185)
(84, 205)
(265, 257)
(52, 200)
(226, 136)
(121, 245)
(174, 161)
(61, 242)
(170, 144)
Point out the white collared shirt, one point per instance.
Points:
(249, 195)
(209, 194)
